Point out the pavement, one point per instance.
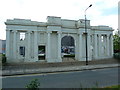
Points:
(37, 68)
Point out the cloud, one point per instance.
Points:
(102, 11)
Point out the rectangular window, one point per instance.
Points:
(22, 50)
(22, 36)
(41, 52)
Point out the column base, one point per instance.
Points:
(54, 60)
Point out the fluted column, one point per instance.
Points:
(7, 43)
(99, 38)
(14, 44)
(35, 46)
(48, 56)
(89, 47)
(108, 45)
(95, 46)
(28, 45)
(59, 47)
(80, 47)
(111, 39)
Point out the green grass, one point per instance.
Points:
(114, 86)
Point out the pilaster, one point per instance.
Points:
(35, 46)
(80, 47)
(89, 47)
(7, 43)
(108, 45)
(59, 47)
(28, 45)
(14, 45)
(48, 55)
(95, 46)
(99, 44)
(111, 39)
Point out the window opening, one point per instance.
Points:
(41, 52)
(102, 38)
(22, 51)
(22, 36)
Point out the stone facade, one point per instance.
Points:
(26, 39)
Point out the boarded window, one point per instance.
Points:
(22, 50)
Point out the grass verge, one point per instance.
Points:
(114, 86)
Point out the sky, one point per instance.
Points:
(102, 12)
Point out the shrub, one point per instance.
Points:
(34, 85)
(3, 59)
(117, 55)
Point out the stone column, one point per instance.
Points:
(28, 46)
(7, 43)
(35, 46)
(89, 47)
(14, 45)
(80, 47)
(111, 39)
(59, 47)
(95, 46)
(48, 56)
(108, 45)
(99, 38)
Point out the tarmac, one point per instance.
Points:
(38, 68)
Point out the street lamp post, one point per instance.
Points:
(86, 36)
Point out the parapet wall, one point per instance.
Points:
(57, 21)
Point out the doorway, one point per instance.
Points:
(68, 48)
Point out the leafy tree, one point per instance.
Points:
(116, 43)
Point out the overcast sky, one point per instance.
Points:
(103, 12)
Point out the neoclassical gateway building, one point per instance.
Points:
(31, 41)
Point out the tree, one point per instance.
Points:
(116, 43)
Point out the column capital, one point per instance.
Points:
(95, 34)
(99, 34)
(15, 31)
(7, 29)
(111, 34)
(107, 35)
(49, 32)
(29, 32)
(59, 32)
(35, 31)
(80, 33)
(88, 34)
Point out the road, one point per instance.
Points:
(78, 79)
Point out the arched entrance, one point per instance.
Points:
(68, 48)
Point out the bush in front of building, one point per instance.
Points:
(3, 59)
(117, 55)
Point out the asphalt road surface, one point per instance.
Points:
(78, 79)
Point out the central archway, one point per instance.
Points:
(68, 48)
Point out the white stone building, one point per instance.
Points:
(31, 41)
